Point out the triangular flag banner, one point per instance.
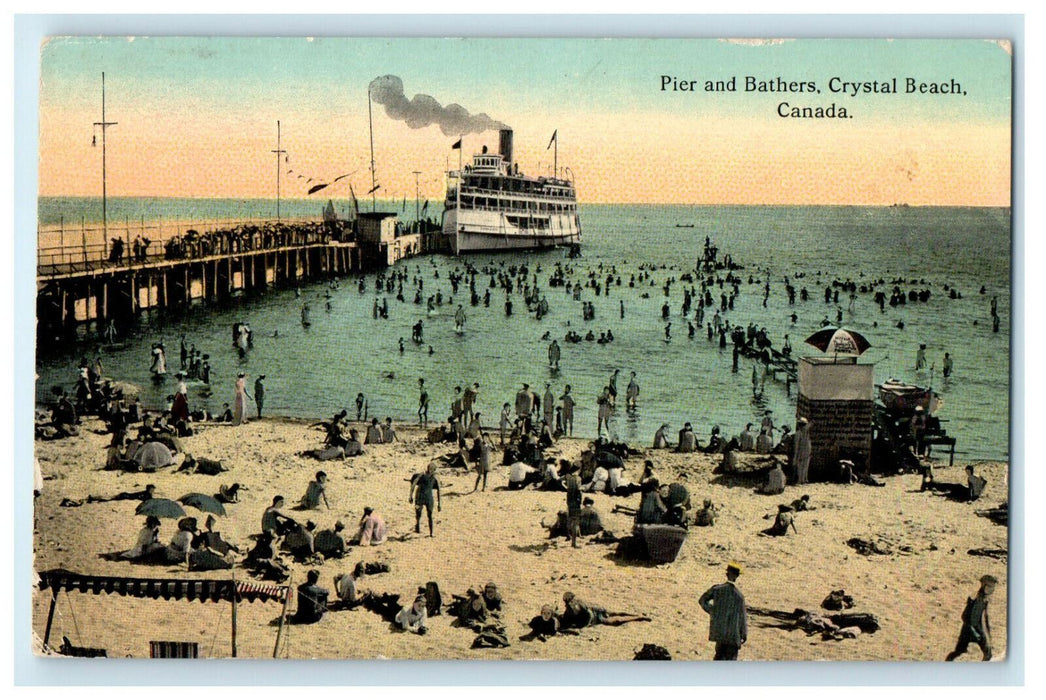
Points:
(552, 140)
(457, 145)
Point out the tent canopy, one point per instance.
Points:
(202, 590)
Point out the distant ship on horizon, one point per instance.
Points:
(491, 205)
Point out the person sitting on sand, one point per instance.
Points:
(544, 625)
(347, 586)
(373, 433)
(747, 439)
(521, 475)
(652, 508)
(412, 619)
(181, 544)
(589, 522)
(707, 515)
(312, 600)
(372, 528)
(147, 546)
(974, 483)
(782, 522)
(331, 543)
(687, 439)
(301, 541)
(274, 521)
(715, 441)
(316, 490)
(579, 615)
(786, 445)
(764, 444)
(353, 446)
(598, 484)
(228, 494)
(226, 414)
(661, 437)
(388, 433)
(146, 494)
(775, 481)
(213, 540)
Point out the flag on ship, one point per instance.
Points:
(317, 188)
(425, 206)
(552, 140)
(456, 146)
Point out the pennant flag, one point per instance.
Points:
(456, 146)
(316, 188)
(552, 140)
(355, 202)
(374, 189)
(425, 206)
(342, 177)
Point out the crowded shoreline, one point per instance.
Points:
(498, 535)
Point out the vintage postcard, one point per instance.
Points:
(572, 349)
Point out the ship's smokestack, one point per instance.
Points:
(506, 147)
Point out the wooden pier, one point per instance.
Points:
(98, 284)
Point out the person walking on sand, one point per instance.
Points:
(728, 626)
(239, 411)
(505, 422)
(259, 393)
(423, 404)
(801, 449)
(483, 463)
(975, 626)
(574, 502)
(421, 488)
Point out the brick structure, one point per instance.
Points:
(837, 396)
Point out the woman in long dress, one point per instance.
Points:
(239, 410)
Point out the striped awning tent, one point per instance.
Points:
(202, 590)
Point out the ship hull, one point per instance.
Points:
(481, 231)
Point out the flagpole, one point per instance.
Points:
(417, 199)
(555, 157)
(373, 180)
(461, 148)
(105, 125)
(278, 152)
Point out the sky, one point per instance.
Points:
(196, 117)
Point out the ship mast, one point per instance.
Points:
(105, 125)
(278, 152)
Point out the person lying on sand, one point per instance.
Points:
(579, 615)
(543, 626)
(143, 495)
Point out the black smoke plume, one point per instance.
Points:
(422, 110)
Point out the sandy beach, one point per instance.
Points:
(917, 593)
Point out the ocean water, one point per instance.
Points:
(316, 371)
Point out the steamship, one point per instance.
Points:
(491, 205)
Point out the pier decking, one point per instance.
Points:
(99, 283)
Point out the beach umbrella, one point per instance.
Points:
(161, 508)
(838, 341)
(200, 501)
(153, 455)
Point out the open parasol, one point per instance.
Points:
(201, 501)
(161, 508)
(838, 341)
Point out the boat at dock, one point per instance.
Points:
(491, 205)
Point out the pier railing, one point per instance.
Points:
(65, 251)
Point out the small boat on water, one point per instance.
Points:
(684, 225)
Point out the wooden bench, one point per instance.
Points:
(174, 650)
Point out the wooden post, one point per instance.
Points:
(283, 616)
(83, 237)
(50, 617)
(234, 597)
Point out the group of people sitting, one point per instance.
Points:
(201, 550)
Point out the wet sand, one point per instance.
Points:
(917, 593)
